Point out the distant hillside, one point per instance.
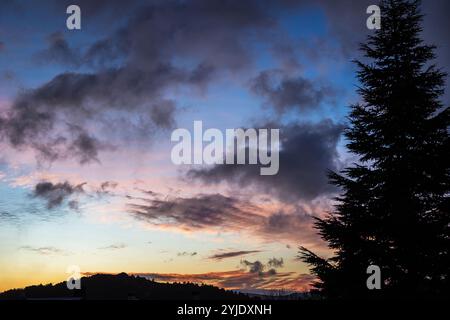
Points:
(123, 287)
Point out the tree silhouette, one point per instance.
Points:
(123, 287)
(394, 208)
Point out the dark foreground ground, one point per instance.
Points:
(131, 297)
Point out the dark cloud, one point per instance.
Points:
(56, 118)
(149, 192)
(157, 47)
(199, 212)
(346, 19)
(219, 212)
(213, 34)
(284, 93)
(56, 194)
(253, 275)
(254, 267)
(85, 148)
(259, 268)
(74, 205)
(210, 32)
(275, 263)
(6, 216)
(58, 51)
(107, 186)
(185, 253)
(307, 152)
(296, 226)
(279, 223)
(130, 72)
(231, 254)
(162, 114)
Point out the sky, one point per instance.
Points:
(86, 117)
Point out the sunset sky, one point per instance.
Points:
(86, 117)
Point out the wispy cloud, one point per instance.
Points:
(235, 279)
(206, 212)
(276, 263)
(44, 250)
(184, 254)
(231, 254)
(116, 246)
(56, 194)
(240, 279)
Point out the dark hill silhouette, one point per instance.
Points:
(122, 287)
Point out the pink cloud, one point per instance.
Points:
(237, 279)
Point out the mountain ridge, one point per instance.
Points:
(122, 287)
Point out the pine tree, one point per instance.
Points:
(394, 209)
